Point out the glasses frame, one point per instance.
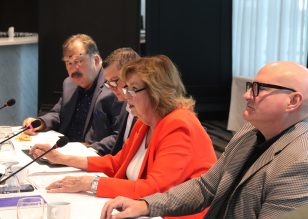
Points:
(255, 87)
(112, 83)
(131, 91)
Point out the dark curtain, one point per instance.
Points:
(112, 24)
(196, 35)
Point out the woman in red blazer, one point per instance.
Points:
(167, 146)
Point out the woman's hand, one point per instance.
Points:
(71, 184)
(53, 156)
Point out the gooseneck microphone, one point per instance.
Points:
(10, 102)
(60, 143)
(36, 123)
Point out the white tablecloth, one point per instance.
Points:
(83, 205)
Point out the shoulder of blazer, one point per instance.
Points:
(177, 114)
(69, 89)
(101, 79)
(69, 84)
(179, 118)
(137, 126)
(240, 137)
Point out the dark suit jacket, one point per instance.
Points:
(103, 121)
(120, 139)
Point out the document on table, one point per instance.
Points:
(72, 148)
(42, 175)
(49, 137)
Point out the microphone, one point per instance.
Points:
(36, 123)
(60, 143)
(10, 102)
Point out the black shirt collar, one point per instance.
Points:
(91, 89)
(262, 142)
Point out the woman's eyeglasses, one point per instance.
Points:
(131, 91)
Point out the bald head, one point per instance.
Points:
(294, 108)
(281, 98)
(288, 74)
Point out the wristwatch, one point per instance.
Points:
(94, 184)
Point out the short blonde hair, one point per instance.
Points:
(163, 82)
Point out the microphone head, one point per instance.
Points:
(36, 123)
(10, 102)
(63, 140)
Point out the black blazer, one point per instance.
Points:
(119, 142)
(102, 124)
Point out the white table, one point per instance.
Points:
(83, 205)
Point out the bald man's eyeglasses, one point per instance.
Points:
(255, 87)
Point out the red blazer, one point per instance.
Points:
(179, 150)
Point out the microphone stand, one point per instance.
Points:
(14, 173)
(13, 135)
(3, 106)
(10, 102)
(60, 143)
(34, 124)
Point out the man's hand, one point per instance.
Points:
(53, 156)
(128, 208)
(28, 121)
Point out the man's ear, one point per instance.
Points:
(296, 99)
(97, 59)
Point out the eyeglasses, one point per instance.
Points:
(131, 91)
(75, 60)
(112, 83)
(255, 87)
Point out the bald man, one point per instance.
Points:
(263, 172)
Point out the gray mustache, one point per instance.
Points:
(76, 74)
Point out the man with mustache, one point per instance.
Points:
(88, 111)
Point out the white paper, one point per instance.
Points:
(78, 149)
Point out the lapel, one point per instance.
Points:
(234, 165)
(152, 147)
(70, 98)
(133, 123)
(123, 125)
(134, 142)
(276, 148)
(97, 92)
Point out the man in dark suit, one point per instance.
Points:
(87, 111)
(112, 66)
(263, 173)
